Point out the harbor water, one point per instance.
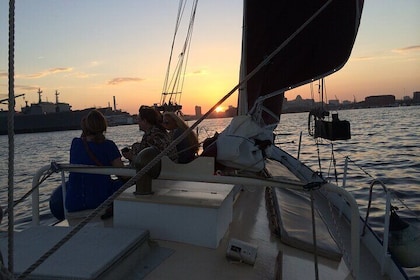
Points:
(384, 145)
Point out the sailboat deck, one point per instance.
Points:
(249, 224)
(226, 212)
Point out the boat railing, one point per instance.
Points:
(384, 255)
(123, 171)
(35, 193)
(385, 241)
(201, 170)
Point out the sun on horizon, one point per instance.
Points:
(219, 109)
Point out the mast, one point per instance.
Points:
(242, 92)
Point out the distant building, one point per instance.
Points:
(298, 105)
(380, 100)
(416, 96)
(198, 111)
(231, 111)
(334, 102)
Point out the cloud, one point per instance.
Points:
(81, 75)
(47, 72)
(408, 49)
(362, 58)
(199, 72)
(94, 63)
(121, 80)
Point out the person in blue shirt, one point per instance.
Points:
(88, 191)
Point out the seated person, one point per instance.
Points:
(155, 135)
(88, 191)
(188, 147)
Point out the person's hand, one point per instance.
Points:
(127, 153)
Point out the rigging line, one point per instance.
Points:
(10, 130)
(181, 9)
(175, 77)
(189, 45)
(279, 48)
(319, 155)
(178, 79)
(321, 91)
(333, 164)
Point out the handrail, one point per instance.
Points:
(387, 220)
(122, 171)
(354, 223)
(35, 193)
(385, 241)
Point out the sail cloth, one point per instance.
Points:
(244, 144)
(296, 42)
(320, 48)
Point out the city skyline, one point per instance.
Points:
(92, 51)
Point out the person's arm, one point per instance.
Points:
(117, 162)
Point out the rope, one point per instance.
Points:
(319, 156)
(178, 20)
(177, 80)
(186, 49)
(10, 129)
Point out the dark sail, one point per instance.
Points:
(321, 48)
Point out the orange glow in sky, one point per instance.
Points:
(90, 51)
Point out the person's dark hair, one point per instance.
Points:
(94, 124)
(151, 115)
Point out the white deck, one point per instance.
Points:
(189, 212)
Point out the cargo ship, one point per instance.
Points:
(46, 116)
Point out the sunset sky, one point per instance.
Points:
(93, 50)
